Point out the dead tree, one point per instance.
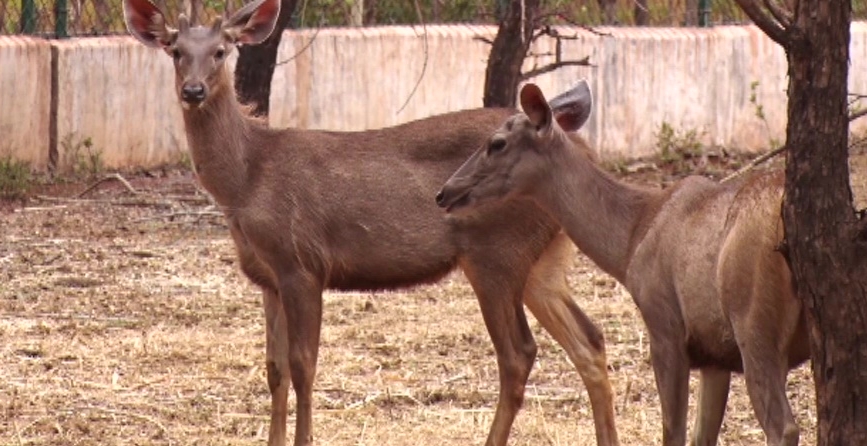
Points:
(519, 26)
(256, 63)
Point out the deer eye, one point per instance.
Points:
(220, 54)
(496, 145)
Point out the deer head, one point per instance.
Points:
(515, 157)
(199, 52)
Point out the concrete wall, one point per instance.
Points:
(357, 79)
(120, 94)
(25, 99)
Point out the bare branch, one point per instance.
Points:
(483, 39)
(752, 165)
(858, 143)
(557, 54)
(302, 50)
(424, 65)
(854, 98)
(857, 114)
(780, 13)
(568, 20)
(773, 28)
(585, 62)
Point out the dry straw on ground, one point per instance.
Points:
(131, 325)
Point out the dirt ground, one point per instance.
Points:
(124, 321)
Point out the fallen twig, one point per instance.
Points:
(111, 176)
(83, 317)
(170, 215)
(43, 208)
(455, 378)
(143, 201)
(17, 432)
(363, 402)
(125, 413)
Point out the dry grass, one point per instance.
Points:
(119, 328)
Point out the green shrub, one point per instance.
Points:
(15, 178)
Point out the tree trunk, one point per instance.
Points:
(356, 13)
(826, 238)
(690, 14)
(609, 12)
(256, 64)
(507, 53)
(641, 14)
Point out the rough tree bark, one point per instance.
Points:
(508, 50)
(609, 11)
(641, 13)
(826, 239)
(256, 63)
(690, 13)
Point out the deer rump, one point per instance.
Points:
(716, 247)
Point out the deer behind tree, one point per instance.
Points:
(700, 259)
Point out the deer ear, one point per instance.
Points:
(253, 23)
(147, 23)
(572, 108)
(536, 107)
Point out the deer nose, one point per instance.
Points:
(193, 93)
(440, 197)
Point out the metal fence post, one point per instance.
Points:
(28, 17)
(61, 16)
(703, 13)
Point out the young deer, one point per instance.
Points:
(315, 210)
(700, 259)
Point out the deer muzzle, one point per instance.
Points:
(193, 93)
(450, 198)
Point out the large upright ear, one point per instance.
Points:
(147, 23)
(536, 107)
(572, 108)
(254, 22)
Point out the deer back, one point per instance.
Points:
(359, 204)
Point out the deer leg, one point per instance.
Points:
(503, 312)
(765, 375)
(301, 295)
(671, 369)
(547, 297)
(277, 364)
(670, 361)
(713, 395)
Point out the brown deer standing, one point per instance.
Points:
(700, 259)
(310, 210)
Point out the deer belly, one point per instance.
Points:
(714, 349)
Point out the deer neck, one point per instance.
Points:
(598, 212)
(218, 133)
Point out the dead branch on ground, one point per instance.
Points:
(112, 176)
